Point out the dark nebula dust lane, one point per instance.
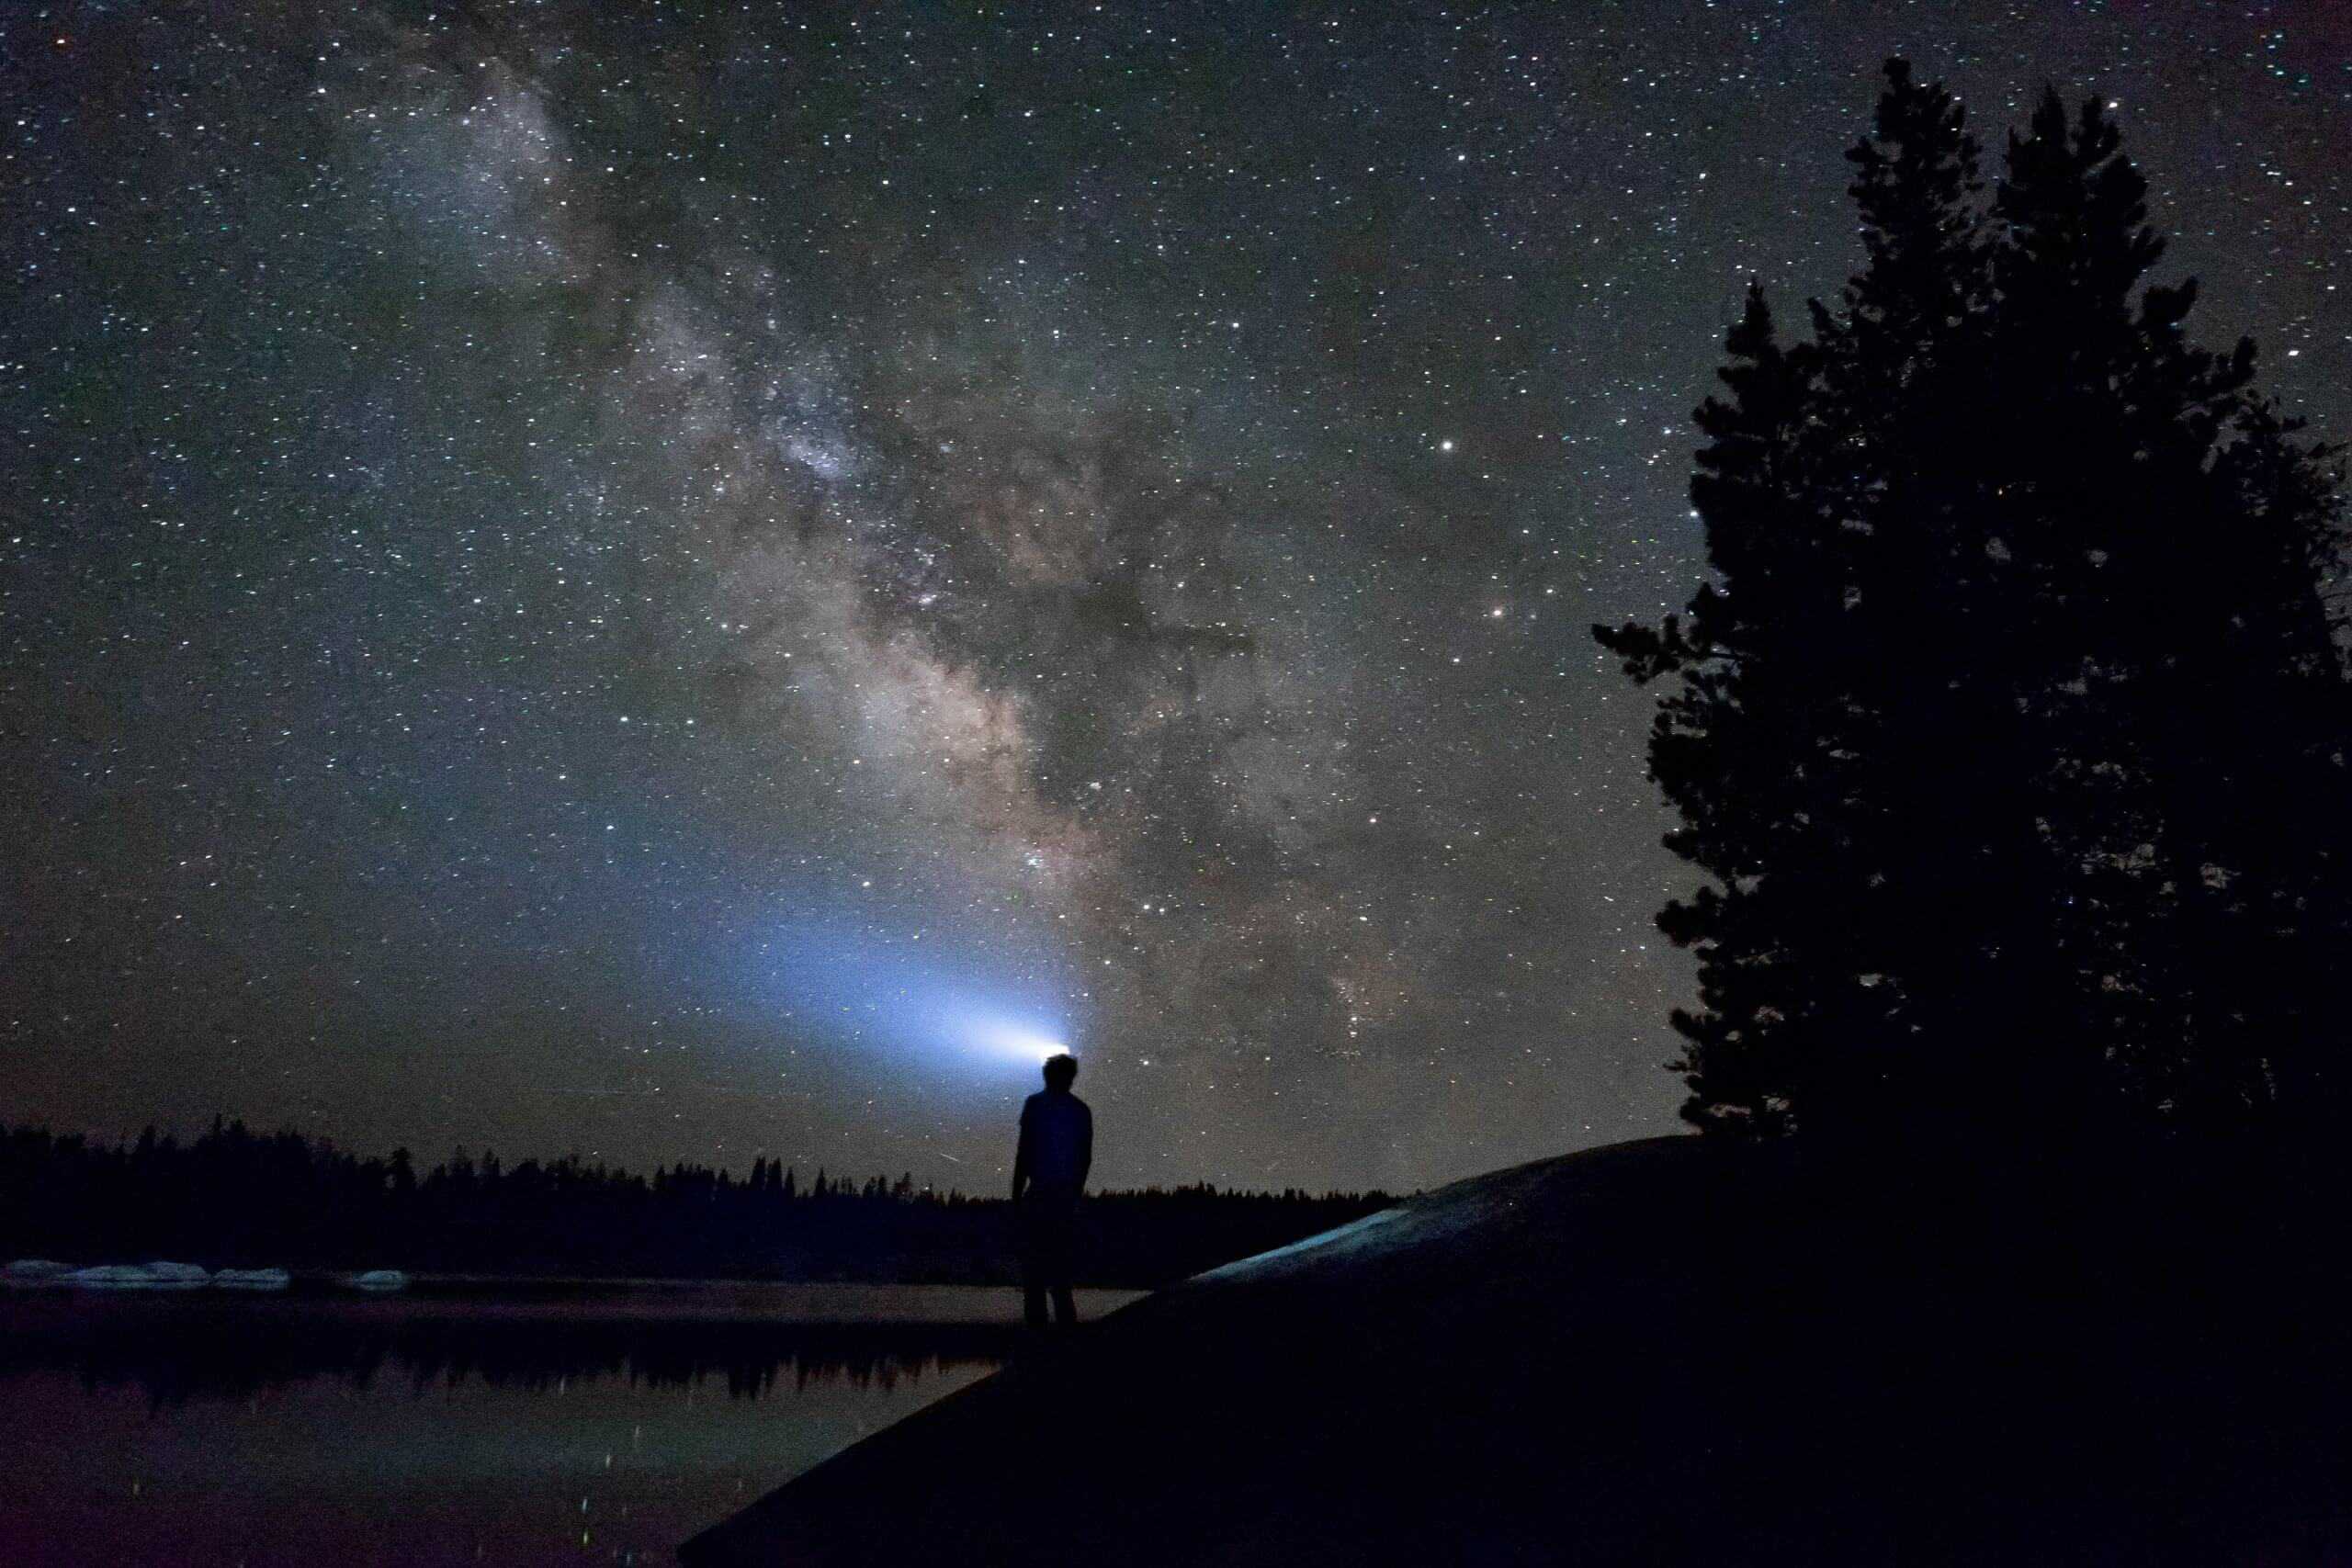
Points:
(690, 581)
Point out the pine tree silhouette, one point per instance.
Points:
(2007, 733)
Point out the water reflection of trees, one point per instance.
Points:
(177, 1356)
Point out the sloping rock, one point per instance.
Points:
(1658, 1353)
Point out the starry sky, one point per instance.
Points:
(694, 580)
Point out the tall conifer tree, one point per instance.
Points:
(2008, 732)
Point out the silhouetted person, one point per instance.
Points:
(1048, 1172)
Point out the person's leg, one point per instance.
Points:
(1034, 1280)
(1062, 1258)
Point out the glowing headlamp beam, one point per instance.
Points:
(1025, 1044)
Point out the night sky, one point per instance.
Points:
(693, 582)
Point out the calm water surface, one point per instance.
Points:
(560, 1426)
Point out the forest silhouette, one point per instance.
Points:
(234, 1198)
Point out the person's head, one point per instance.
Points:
(1061, 1071)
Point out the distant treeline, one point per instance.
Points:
(235, 1198)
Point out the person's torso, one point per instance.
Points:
(1057, 1125)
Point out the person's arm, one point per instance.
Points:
(1020, 1157)
(1085, 1144)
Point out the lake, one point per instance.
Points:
(511, 1423)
